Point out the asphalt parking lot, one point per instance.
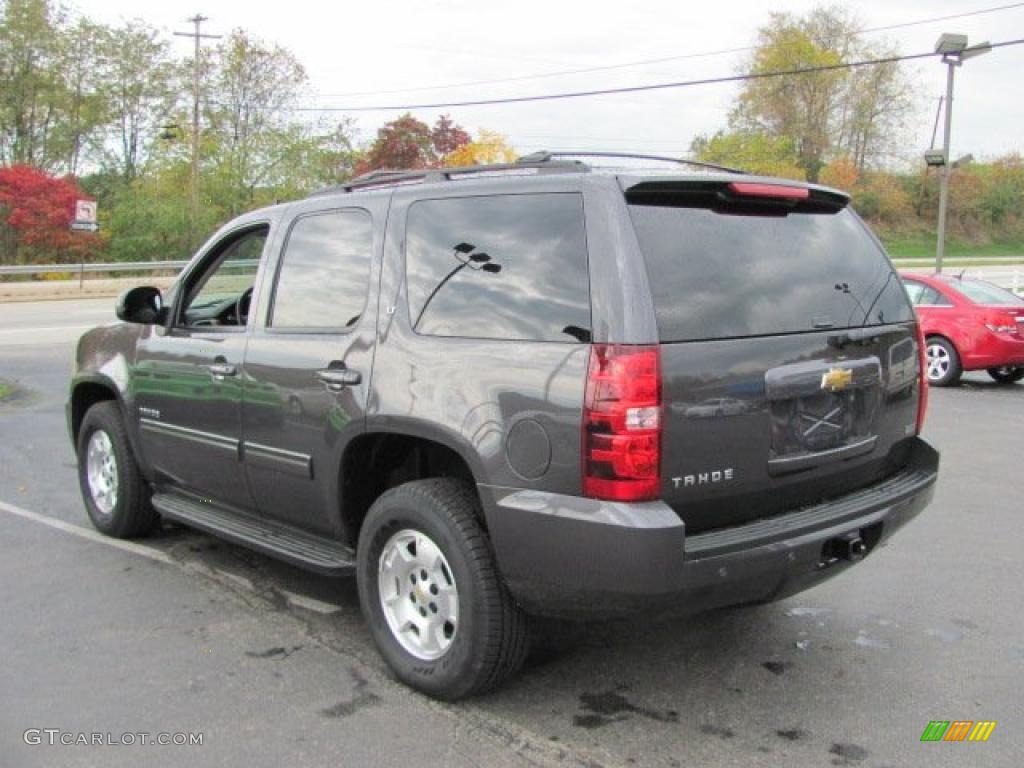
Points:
(183, 634)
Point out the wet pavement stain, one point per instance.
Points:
(611, 707)
(361, 699)
(847, 754)
(277, 653)
(777, 667)
(792, 734)
(13, 395)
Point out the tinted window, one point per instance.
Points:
(324, 271)
(981, 292)
(721, 275)
(501, 267)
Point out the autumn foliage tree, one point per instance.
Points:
(489, 147)
(35, 217)
(408, 143)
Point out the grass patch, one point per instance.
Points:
(903, 247)
(6, 390)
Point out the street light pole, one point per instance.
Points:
(954, 51)
(940, 243)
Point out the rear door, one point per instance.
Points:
(788, 348)
(308, 363)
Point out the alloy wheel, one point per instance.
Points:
(418, 594)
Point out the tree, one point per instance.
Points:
(841, 173)
(84, 111)
(402, 143)
(139, 77)
(857, 112)
(756, 152)
(32, 93)
(447, 136)
(408, 143)
(254, 84)
(489, 147)
(35, 216)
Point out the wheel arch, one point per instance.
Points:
(85, 393)
(383, 458)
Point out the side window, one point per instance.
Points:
(499, 267)
(914, 290)
(922, 295)
(215, 297)
(324, 273)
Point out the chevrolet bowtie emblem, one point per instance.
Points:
(836, 379)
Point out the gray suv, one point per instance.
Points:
(538, 389)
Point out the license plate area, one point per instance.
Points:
(822, 406)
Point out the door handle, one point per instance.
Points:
(220, 370)
(338, 378)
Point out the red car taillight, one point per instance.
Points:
(622, 423)
(922, 397)
(1002, 324)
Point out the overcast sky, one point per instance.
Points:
(350, 47)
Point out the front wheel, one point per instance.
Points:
(429, 589)
(115, 493)
(943, 363)
(1007, 374)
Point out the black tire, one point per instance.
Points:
(952, 372)
(1007, 374)
(490, 640)
(131, 514)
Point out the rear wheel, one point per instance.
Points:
(115, 493)
(943, 362)
(1007, 374)
(437, 609)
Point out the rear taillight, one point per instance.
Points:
(622, 423)
(922, 397)
(1001, 324)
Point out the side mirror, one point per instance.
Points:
(141, 305)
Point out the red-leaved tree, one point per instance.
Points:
(35, 218)
(407, 143)
(449, 136)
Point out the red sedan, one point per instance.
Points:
(969, 325)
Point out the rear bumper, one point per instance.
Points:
(995, 351)
(581, 558)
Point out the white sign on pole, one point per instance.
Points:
(85, 216)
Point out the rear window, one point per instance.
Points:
(981, 292)
(722, 274)
(499, 267)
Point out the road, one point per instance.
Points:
(181, 633)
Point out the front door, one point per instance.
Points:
(187, 380)
(307, 366)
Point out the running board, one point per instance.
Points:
(315, 553)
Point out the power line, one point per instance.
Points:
(640, 88)
(646, 62)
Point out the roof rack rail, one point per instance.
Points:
(386, 177)
(546, 156)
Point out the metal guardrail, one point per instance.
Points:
(76, 269)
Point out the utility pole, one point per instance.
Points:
(196, 35)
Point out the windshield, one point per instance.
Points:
(981, 292)
(717, 275)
